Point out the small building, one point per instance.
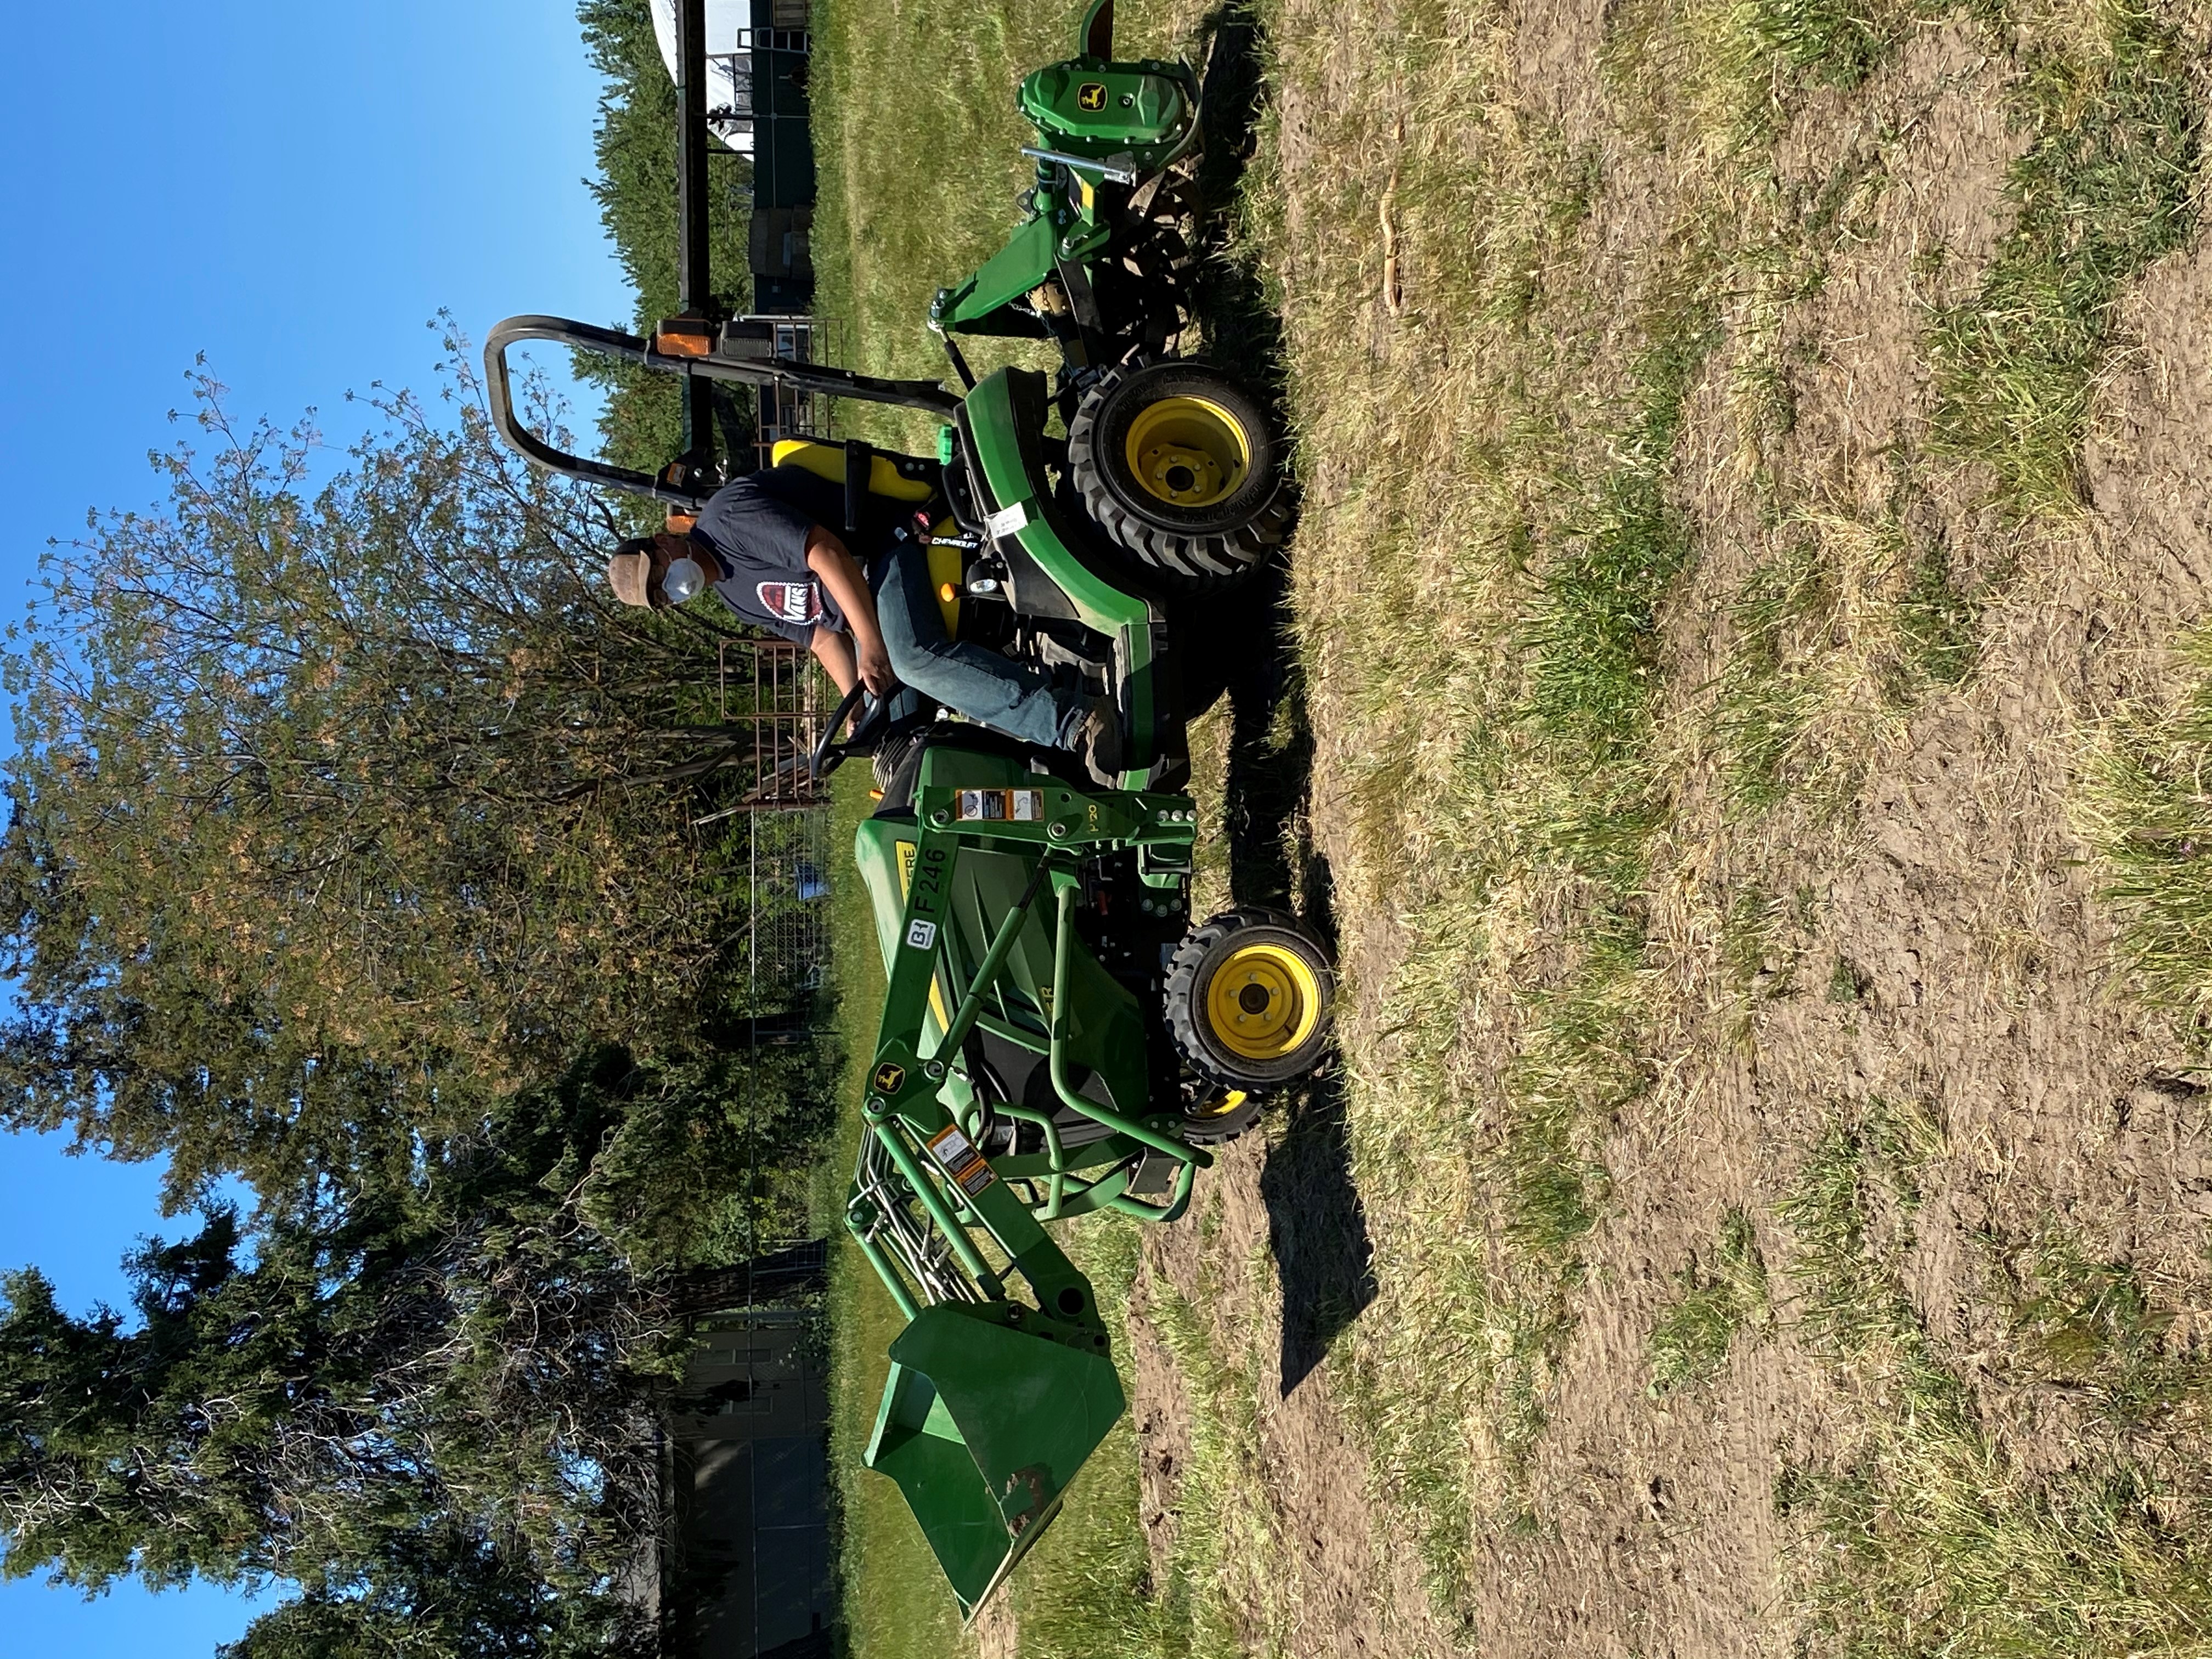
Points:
(747, 1571)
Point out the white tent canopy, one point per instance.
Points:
(729, 83)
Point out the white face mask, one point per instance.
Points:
(685, 581)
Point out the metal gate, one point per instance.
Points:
(774, 690)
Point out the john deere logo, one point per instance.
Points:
(1091, 95)
(889, 1077)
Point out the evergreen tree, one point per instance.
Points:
(422, 1400)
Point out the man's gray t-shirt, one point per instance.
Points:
(757, 526)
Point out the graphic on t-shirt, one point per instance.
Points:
(790, 602)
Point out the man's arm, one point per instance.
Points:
(835, 567)
(835, 653)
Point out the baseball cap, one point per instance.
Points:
(630, 569)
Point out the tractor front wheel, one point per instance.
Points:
(1180, 466)
(1248, 998)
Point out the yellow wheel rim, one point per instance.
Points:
(1188, 451)
(1263, 1001)
(1221, 1105)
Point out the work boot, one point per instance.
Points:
(1098, 740)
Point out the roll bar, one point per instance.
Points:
(816, 378)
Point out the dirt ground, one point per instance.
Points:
(1951, 894)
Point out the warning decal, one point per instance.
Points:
(999, 807)
(960, 1160)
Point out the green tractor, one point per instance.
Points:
(1174, 460)
(1057, 1038)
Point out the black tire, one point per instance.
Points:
(1219, 1117)
(1208, 541)
(1291, 1039)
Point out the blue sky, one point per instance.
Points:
(293, 189)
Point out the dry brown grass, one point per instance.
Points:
(1696, 531)
(1604, 648)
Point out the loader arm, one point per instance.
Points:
(992, 1404)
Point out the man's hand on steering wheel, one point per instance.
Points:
(875, 670)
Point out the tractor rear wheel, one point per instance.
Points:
(1180, 466)
(1248, 998)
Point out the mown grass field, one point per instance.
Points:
(1746, 709)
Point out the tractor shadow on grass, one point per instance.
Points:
(1317, 1226)
(1241, 327)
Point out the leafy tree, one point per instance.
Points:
(357, 847)
(338, 815)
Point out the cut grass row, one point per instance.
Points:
(896, 1604)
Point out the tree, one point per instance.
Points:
(423, 1401)
(336, 815)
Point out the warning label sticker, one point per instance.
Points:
(960, 1160)
(1000, 805)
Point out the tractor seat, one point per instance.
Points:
(895, 478)
(905, 479)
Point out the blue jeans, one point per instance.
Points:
(1017, 698)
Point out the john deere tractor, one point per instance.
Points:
(1172, 458)
(1057, 1037)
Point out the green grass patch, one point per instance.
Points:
(1933, 1539)
(1769, 696)
(1760, 950)
(1837, 639)
(2106, 186)
(1729, 74)
(2144, 800)
(897, 1603)
(1592, 627)
(1578, 1062)
(2093, 1324)
(1720, 1297)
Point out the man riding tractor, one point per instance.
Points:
(763, 545)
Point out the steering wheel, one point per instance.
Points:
(828, 754)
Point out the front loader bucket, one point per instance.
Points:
(983, 1426)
